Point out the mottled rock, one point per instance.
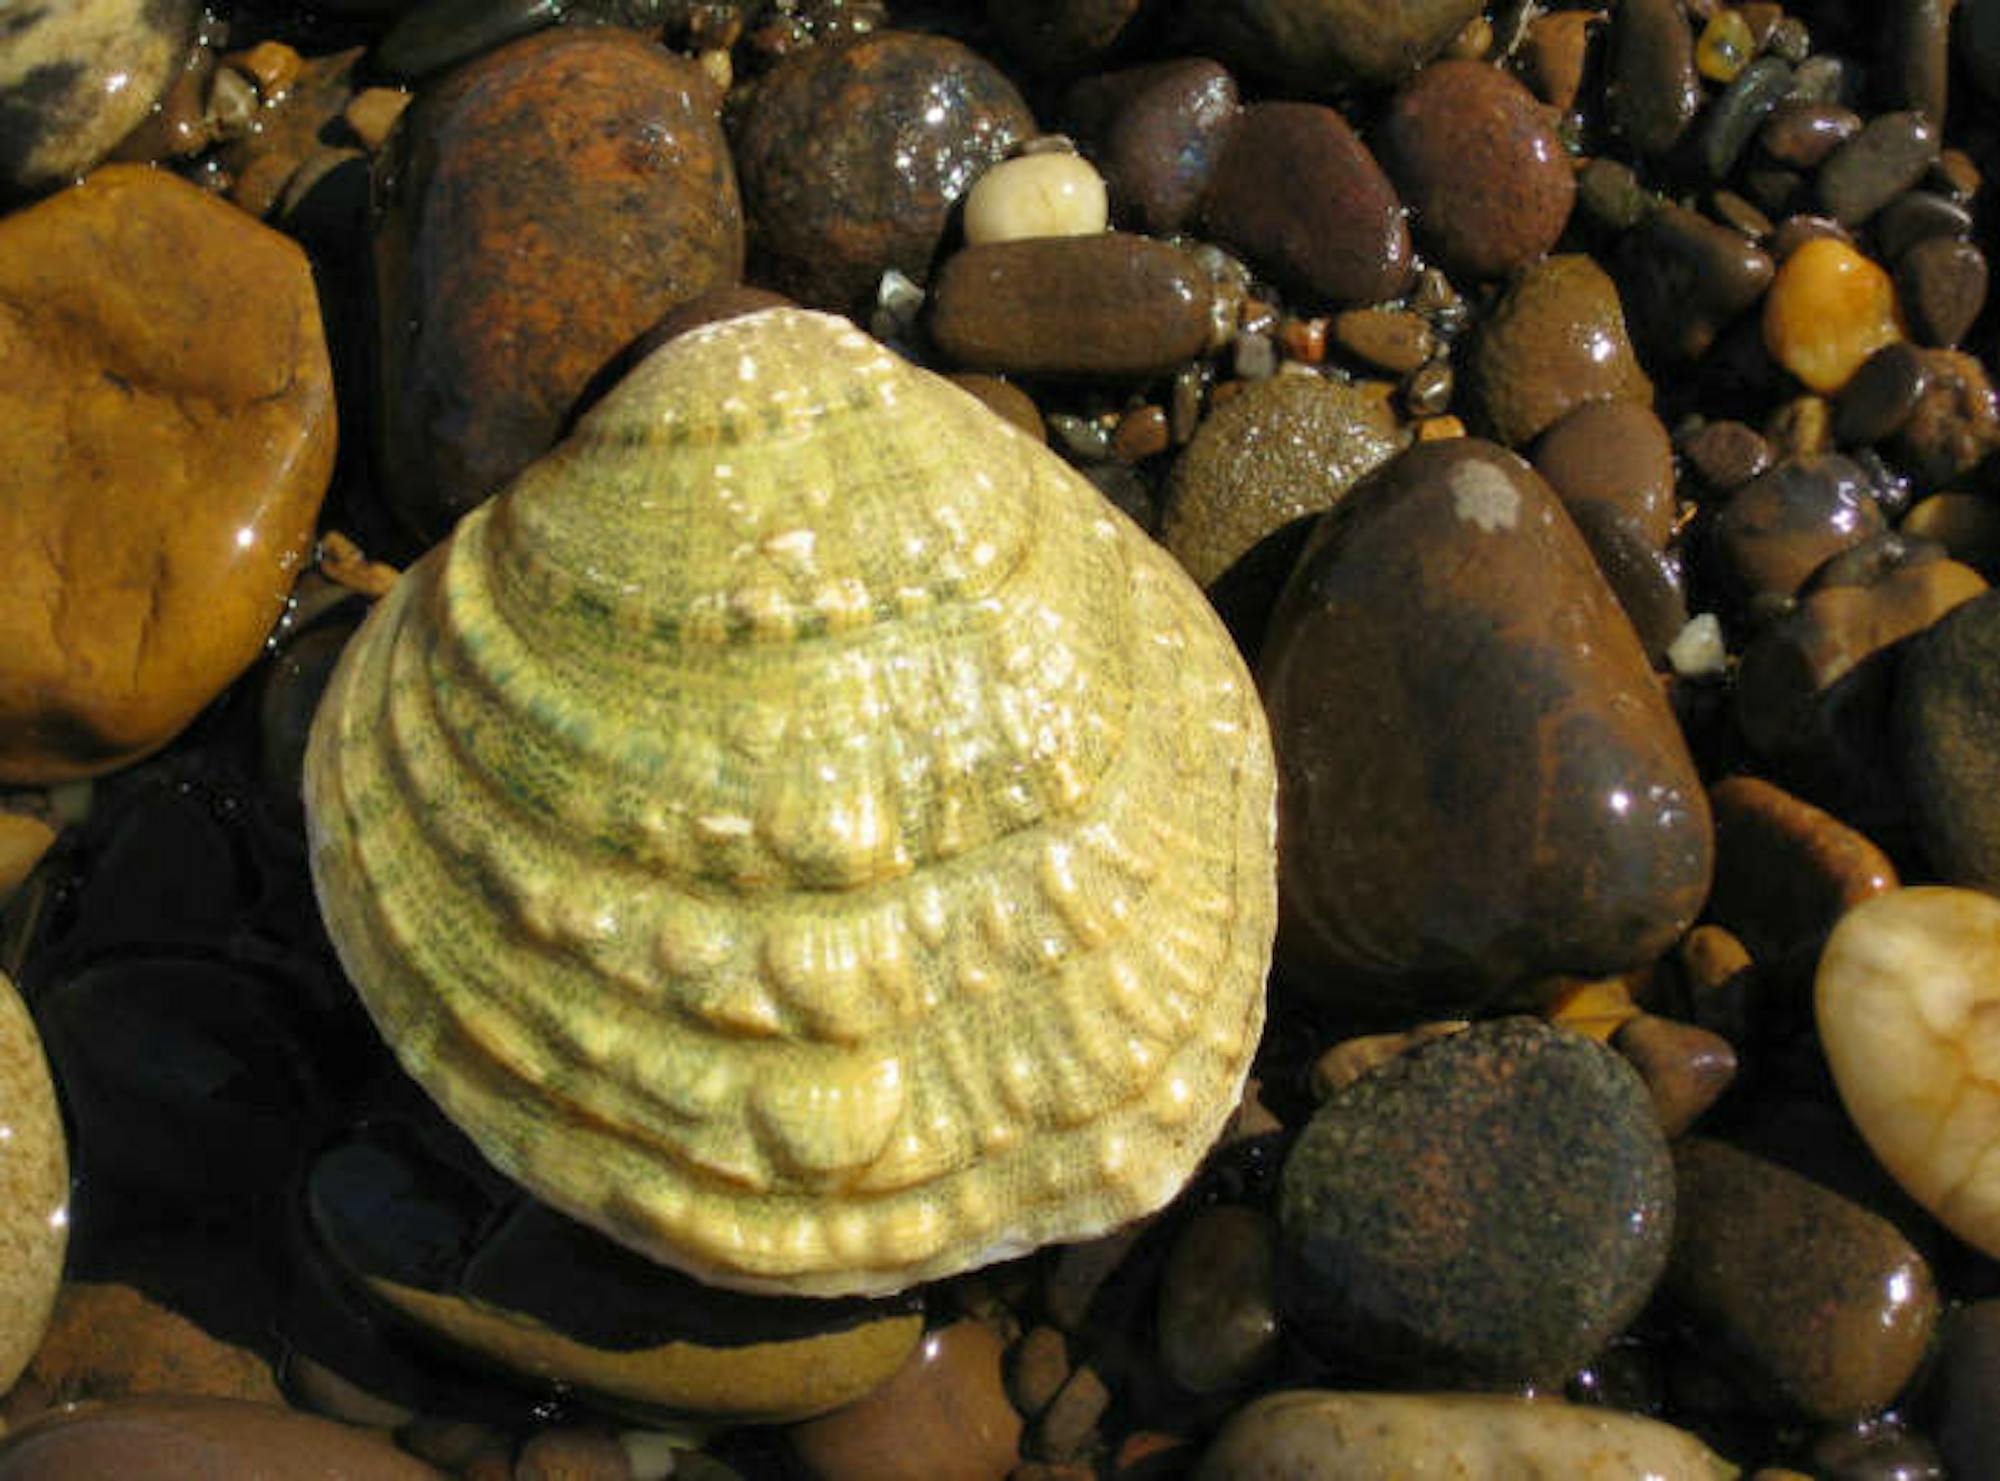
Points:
(1274, 453)
(1321, 1435)
(1217, 1318)
(1650, 83)
(1478, 161)
(1948, 726)
(170, 419)
(78, 77)
(1111, 305)
(545, 204)
(1954, 425)
(174, 1438)
(1492, 1206)
(1777, 529)
(1326, 46)
(1158, 131)
(1555, 341)
(1479, 780)
(1614, 453)
(34, 1188)
(1300, 196)
(1820, 1307)
(943, 1417)
(853, 155)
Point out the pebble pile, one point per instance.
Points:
(1580, 414)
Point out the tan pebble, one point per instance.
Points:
(1685, 1068)
(1068, 1427)
(273, 65)
(23, 841)
(573, 1454)
(34, 1189)
(1036, 195)
(372, 112)
(1554, 54)
(1907, 998)
(1350, 1059)
(1828, 310)
(715, 63)
(184, 1437)
(346, 564)
(1439, 429)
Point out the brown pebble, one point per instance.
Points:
(1004, 398)
(1686, 1068)
(1802, 132)
(1554, 53)
(1801, 427)
(1037, 1368)
(1303, 340)
(1079, 1272)
(1967, 525)
(1216, 1318)
(1158, 130)
(1616, 453)
(372, 112)
(1555, 340)
(1955, 424)
(1886, 158)
(1942, 284)
(179, 1437)
(1067, 1429)
(572, 1454)
(1717, 971)
(1882, 394)
(1141, 433)
(1650, 82)
(1726, 454)
(1394, 340)
(1776, 530)
(1917, 216)
(1352, 1058)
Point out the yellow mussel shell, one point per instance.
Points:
(802, 830)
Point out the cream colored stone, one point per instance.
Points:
(34, 1189)
(1036, 195)
(1908, 1001)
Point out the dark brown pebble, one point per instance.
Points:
(1916, 216)
(1777, 528)
(1687, 277)
(1882, 394)
(1005, 399)
(1686, 1068)
(1967, 525)
(1394, 340)
(1942, 284)
(1801, 133)
(1554, 53)
(729, 301)
(1886, 158)
(852, 156)
(1801, 227)
(1726, 454)
(1735, 211)
(1646, 580)
(1113, 305)
(1217, 1316)
(1061, 36)
(1948, 723)
(1428, 391)
(1650, 84)
(1920, 56)
(1478, 161)
(1300, 196)
(1873, 1450)
(1037, 1368)
(1960, 1389)
(1555, 341)
(1615, 453)
(1068, 1427)
(1313, 48)
(1141, 433)
(1158, 132)
(1609, 192)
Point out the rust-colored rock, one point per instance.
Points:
(547, 203)
(170, 432)
(1479, 782)
(1555, 341)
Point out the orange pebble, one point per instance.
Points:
(1828, 310)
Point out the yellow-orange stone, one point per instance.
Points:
(170, 432)
(1828, 310)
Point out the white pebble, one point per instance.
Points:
(1036, 195)
(1698, 651)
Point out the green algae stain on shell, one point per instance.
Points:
(801, 830)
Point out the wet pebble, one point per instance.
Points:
(1646, 579)
(1686, 1067)
(1725, 454)
(1650, 86)
(1217, 1319)
(1948, 723)
(500, 221)
(1479, 163)
(1615, 453)
(1303, 200)
(1554, 52)
(1820, 1306)
(1888, 156)
(852, 157)
(1048, 194)
(1158, 131)
(943, 1417)
(1917, 216)
(1110, 305)
(164, 474)
(1777, 529)
(1395, 890)
(1828, 310)
(1392, 340)
(1966, 525)
(1802, 132)
(170, 1438)
(34, 1188)
(1735, 117)
(75, 79)
(1542, 1141)
(1687, 278)
(1941, 282)
(1882, 394)
(1954, 426)
(1554, 341)
(1317, 47)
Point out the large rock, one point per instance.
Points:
(171, 1439)
(1479, 781)
(34, 1189)
(170, 432)
(546, 204)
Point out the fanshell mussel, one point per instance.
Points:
(801, 829)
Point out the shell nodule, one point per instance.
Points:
(802, 830)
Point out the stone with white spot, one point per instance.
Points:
(1036, 195)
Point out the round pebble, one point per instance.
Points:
(1777, 529)
(1036, 195)
(1543, 1141)
(1158, 131)
(1828, 310)
(1479, 163)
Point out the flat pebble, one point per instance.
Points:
(1556, 340)
(1303, 200)
(34, 1188)
(1110, 305)
(1394, 340)
(1821, 1308)
(163, 474)
(1888, 156)
(1478, 161)
(1650, 85)
(1614, 453)
(172, 1438)
(1055, 194)
(943, 1417)
(1828, 310)
(852, 157)
(1217, 1317)
(1948, 726)
(1544, 1142)
(1395, 891)
(498, 222)
(1158, 131)
(1941, 282)
(1322, 1435)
